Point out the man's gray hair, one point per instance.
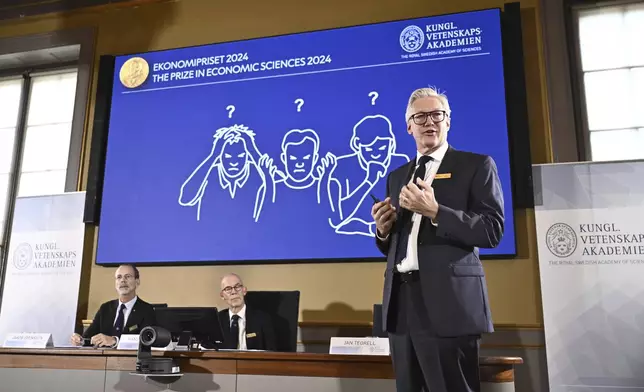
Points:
(424, 93)
(232, 274)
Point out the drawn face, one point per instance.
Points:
(562, 247)
(433, 133)
(377, 151)
(299, 159)
(234, 158)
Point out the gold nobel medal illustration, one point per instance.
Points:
(134, 72)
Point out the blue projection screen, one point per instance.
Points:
(266, 150)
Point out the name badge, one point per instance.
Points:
(251, 335)
(132, 328)
(29, 340)
(128, 342)
(441, 176)
(359, 346)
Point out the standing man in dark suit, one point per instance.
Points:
(244, 328)
(128, 314)
(440, 208)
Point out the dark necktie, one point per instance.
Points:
(405, 223)
(118, 325)
(421, 169)
(234, 331)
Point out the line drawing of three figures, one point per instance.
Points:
(343, 182)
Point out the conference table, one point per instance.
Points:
(98, 370)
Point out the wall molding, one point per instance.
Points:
(47, 9)
(495, 346)
(365, 324)
(368, 324)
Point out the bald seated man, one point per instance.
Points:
(244, 328)
(128, 314)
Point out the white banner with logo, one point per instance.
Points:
(590, 233)
(44, 266)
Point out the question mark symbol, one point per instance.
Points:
(374, 96)
(299, 102)
(230, 109)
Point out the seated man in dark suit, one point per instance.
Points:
(133, 314)
(244, 328)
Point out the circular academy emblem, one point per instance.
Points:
(22, 256)
(412, 39)
(134, 72)
(561, 240)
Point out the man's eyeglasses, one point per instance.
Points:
(421, 118)
(229, 290)
(126, 277)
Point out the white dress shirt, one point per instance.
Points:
(128, 309)
(410, 262)
(242, 326)
(129, 305)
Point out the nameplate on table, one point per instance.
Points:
(28, 340)
(359, 346)
(128, 342)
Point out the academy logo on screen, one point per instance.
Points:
(561, 240)
(134, 72)
(441, 40)
(412, 39)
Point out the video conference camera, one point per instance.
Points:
(145, 363)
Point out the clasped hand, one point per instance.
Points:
(102, 340)
(99, 340)
(384, 214)
(419, 199)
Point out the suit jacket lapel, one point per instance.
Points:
(111, 316)
(446, 166)
(408, 173)
(225, 326)
(134, 319)
(400, 182)
(250, 328)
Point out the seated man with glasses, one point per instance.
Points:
(244, 328)
(128, 314)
